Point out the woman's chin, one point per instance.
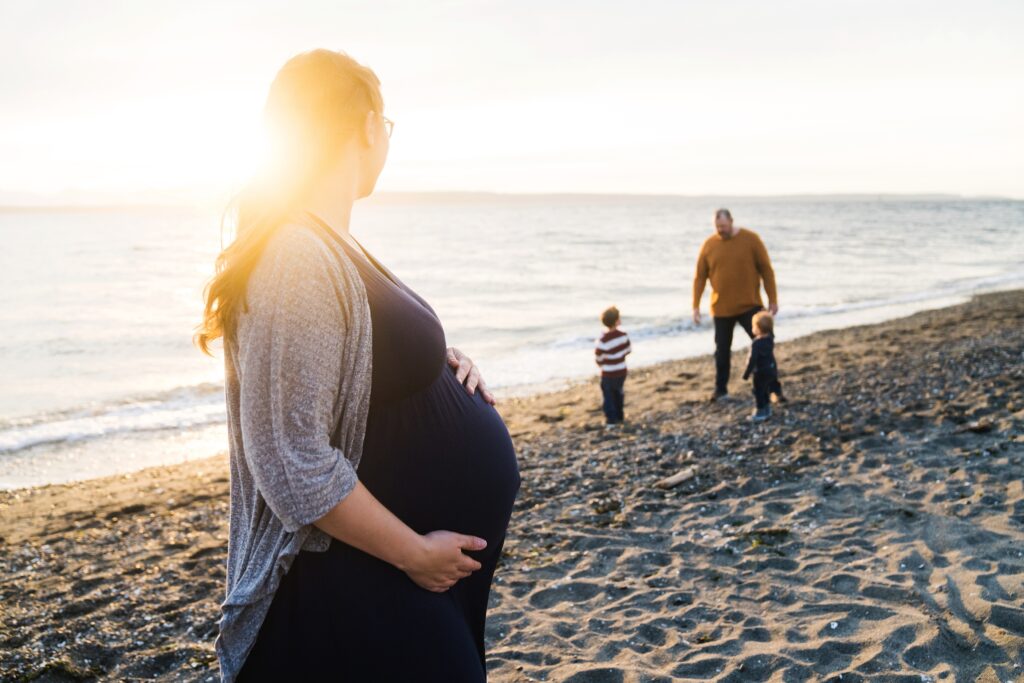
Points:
(366, 191)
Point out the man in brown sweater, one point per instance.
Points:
(736, 262)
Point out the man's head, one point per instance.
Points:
(723, 223)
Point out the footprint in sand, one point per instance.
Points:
(578, 591)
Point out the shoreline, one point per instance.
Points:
(845, 317)
(885, 498)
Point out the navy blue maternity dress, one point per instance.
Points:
(438, 458)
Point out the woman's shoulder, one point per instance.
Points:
(298, 261)
(298, 242)
(301, 249)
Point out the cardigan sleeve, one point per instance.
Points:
(290, 345)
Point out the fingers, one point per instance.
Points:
(468, 374)
(469, 566)
(488, 396)
(471, 542)
(450, 580)
(440, 586)
(464, 367)
(473, 379)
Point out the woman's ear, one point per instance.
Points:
(370, 128)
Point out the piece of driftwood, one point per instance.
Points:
(678, 478)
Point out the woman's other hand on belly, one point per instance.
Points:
(468, 373)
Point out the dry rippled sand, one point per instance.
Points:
(872, 530)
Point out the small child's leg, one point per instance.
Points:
(620, 400)
(761, 393)
(605, 403)
(608, 399)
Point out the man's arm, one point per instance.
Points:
(764, 268)
(700, 278)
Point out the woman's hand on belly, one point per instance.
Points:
(439, 561)
(434, 561)
(468, 374)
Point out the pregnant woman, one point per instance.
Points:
(335, 366)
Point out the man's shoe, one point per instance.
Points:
(761, 414)
(718, 395)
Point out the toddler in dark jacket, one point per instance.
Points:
(762, 366)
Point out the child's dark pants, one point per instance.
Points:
(764, 385)
(614, 398)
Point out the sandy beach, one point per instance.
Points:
(873, 529)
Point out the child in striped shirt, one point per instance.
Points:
(610, 354)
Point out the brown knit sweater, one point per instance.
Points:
(736, 267)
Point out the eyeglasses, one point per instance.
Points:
(389, 125)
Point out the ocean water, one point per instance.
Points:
(98, 374)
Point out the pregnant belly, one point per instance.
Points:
(442, 459)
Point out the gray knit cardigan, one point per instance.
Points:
(297, 384)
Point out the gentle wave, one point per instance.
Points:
(180, 408)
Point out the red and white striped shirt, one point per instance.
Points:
(610, 353)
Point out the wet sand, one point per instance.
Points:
(873, 529)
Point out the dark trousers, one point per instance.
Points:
(764, 385)
(614, 398)
(724, 327)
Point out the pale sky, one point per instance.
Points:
(107, 98)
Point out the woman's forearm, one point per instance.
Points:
(363, 522)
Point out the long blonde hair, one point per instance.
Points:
(315, 103)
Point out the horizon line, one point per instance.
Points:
(471, 194)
